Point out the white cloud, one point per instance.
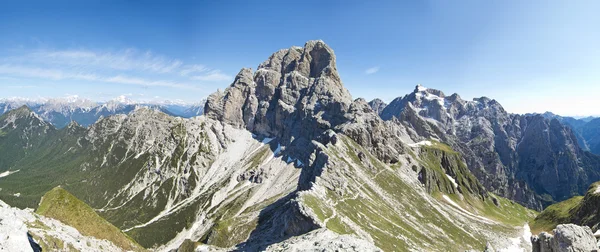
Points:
(214, 75)
(129, 59)
(55, 74)
(372, 70)
(142, 82)
(22, 86)
(187, 70)
(125, 66)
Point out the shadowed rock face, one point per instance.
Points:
(531, 159)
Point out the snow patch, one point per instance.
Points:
(6, 173)
(597, 191)
(452, 180)
(419, 144)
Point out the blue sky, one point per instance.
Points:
(531, 56)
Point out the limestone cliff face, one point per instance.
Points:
(295, 95)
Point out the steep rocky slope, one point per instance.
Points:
(587, 130)
(283, 152)
(591, 133)
(531, 159)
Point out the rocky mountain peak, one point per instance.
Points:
(22, 114)
(420, 89)
(295, 95)
(377, 105)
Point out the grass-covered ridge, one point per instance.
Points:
(555, 214)
(63, 206)
(581, 210)
(439, 163)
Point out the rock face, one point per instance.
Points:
(567, 238)
(590, 132)
(384, 139)
(294, 96)
(587, 130)
(377, 105)
(297, 96)
(324, 240)
(531, 159)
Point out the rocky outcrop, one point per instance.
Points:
(384, 139)
(324, 240)
(568, 237)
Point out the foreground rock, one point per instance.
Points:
(568, 237)
(324, 240)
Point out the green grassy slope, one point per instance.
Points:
(63, 206)
(371, 199)
(581, 210)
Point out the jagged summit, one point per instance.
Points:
(295, 95)
(377, 105)
(22, 109)
(420, 89)
(21, 115)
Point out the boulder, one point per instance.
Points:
(567, 238)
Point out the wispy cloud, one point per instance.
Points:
(128, 66)
(187, 70)
(56, 74)
(129, 59)
(214, 75)
(372, 70)
(21, 86)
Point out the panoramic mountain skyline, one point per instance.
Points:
(529, 56)
(299, 126)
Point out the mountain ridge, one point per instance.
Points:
(61, 111)
(283, 151)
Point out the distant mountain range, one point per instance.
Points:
(61, 111)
